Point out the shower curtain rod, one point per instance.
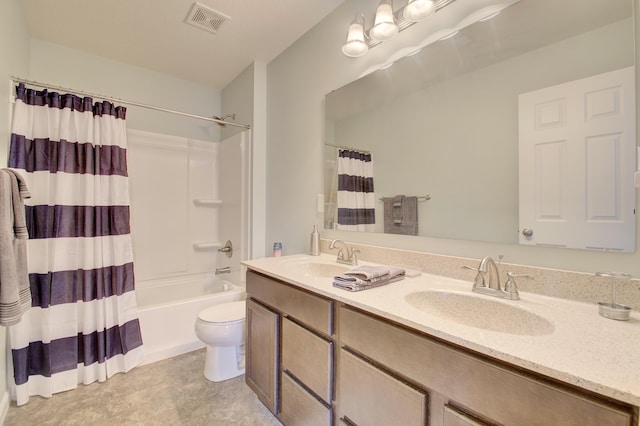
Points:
(123, 101)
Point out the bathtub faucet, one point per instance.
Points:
(225, 270)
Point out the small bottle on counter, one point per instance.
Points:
(277, 249)
(315, 242)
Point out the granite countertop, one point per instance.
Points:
(580, 347)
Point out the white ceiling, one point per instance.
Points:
(153, 33)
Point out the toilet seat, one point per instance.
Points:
(224, 313)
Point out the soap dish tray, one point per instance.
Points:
(615, 311)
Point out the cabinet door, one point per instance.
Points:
(299, 407)
(261, 372)
(308, 358)
(369, 396)
(492, 390)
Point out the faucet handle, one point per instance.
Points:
(470, 267)
(354, 258)
(510, 286)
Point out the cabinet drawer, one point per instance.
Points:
(454, 417)
(308, 358)
(368, 396)
(298, 407)
(314, 311)
(497, 392)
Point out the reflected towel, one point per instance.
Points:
(397, 208)
(409, 225)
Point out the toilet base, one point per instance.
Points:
(223, 363)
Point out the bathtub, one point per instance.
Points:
(168, 309)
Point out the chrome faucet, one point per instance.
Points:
(488, 270)
(487, 281)
(346, 255)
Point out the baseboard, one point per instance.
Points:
(165, 353)
(4, 407)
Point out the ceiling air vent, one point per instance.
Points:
(204, 18)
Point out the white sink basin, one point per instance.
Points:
(318, 269)
(481, 312)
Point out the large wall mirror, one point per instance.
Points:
(443, 123)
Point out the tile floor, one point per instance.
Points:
(168, 392)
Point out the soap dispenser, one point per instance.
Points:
(315, 242)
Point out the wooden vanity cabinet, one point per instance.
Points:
(389, 374)
(469, 389)
(304, 342)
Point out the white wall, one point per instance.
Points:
(246, 97)
(61, 66)
(298, 79)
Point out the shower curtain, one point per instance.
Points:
(356, 200)
(83, 323)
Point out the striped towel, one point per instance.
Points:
(365, 277)
(15, 292)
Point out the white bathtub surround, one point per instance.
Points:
(168, 310)
(188, 198)
(577, 347)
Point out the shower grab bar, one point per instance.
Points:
(206, 246)
(207, 202)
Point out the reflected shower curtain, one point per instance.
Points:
(356, 200)
(83, 322)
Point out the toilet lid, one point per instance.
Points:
(224, 312)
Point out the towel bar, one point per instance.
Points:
(420, 198)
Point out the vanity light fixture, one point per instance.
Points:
(387, 23)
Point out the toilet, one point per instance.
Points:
(222, 328)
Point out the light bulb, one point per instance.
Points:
(417, 10)
(356, 45)
(384, 26)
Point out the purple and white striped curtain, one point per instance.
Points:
(83, 322)
(356, 200)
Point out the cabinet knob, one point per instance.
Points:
(527, 232)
